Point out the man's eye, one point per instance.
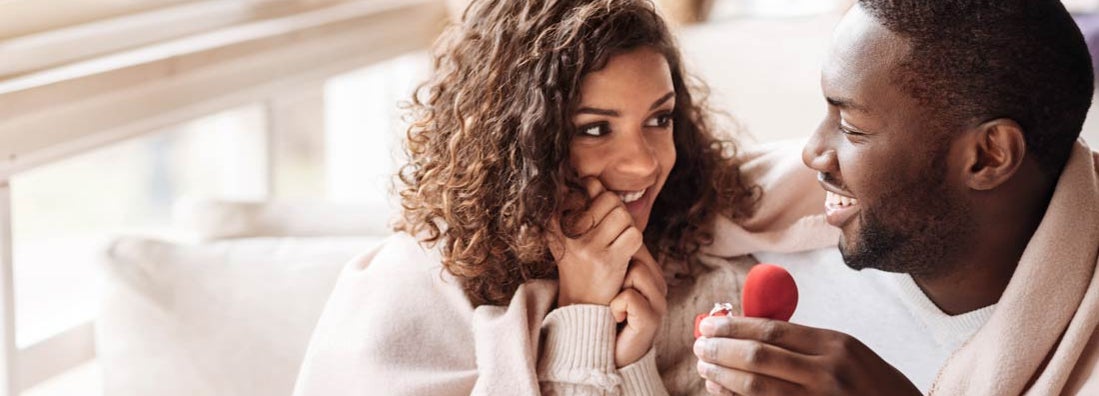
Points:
(847, 131)
(595, 130)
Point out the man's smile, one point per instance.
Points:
(840, 206)
(840, 209)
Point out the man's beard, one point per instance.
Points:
(924, 225)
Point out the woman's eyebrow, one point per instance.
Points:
(614, 113)
(668, 96)
(602, 112)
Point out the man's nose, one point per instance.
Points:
(818, 153)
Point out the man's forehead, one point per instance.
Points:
(862, 58)
(861, 31)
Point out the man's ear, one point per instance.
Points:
(997, 149)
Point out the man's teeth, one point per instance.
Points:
(628, 197)
(833, 199)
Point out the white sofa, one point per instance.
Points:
(231, 311)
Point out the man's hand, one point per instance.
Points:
(751, 356)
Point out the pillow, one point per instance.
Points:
(231, 317)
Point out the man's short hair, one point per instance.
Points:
(979, 60)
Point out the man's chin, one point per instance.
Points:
(854, 257)
(845, 250)
(850, 232)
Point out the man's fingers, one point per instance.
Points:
(716, 389)
(796, 338)
(756, 357)
(745, 383)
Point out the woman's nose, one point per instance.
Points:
(635, 156)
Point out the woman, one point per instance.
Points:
(556, 150)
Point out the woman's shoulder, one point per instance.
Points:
(399, 258)
(393, 308)
(401, 272)
(394, 290)
(398, 252)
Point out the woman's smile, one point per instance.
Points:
(638, 202)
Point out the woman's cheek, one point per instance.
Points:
(584, 160)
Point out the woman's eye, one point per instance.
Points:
(660, 121)
(595, 130)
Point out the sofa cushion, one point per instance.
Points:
(230, 317)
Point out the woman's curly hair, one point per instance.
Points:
(489, 143)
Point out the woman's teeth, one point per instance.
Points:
(628, 196)
(833, 199)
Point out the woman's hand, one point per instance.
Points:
(592, 267)
(642, 304)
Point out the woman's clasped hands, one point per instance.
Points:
(602, 260)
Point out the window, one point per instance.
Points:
(65, 213)
(365, 127)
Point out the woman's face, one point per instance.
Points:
(624, 129)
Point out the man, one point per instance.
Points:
(969, 214)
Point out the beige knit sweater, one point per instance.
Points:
(398, 324)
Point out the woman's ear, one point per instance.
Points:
(996, 151)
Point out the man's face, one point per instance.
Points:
(892, 173)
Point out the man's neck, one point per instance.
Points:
(977, 277)
(977, 283)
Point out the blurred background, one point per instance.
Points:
(180, 180)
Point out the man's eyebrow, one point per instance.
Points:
(614, 113)
(845, 103)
